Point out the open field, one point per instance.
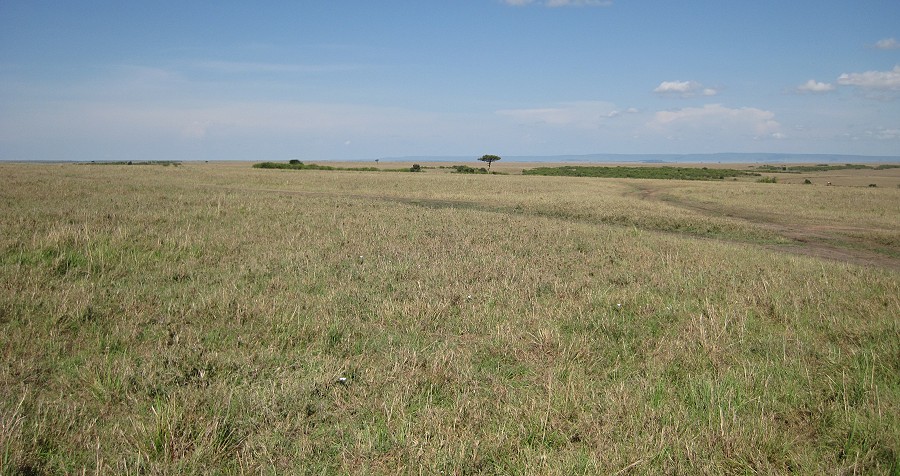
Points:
(215, 318)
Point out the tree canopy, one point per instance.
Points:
(489, 159)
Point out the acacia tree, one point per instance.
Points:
(489, 159)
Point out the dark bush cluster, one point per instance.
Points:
(297, 165)
(465, 169)
(796, 169)
(680, 173)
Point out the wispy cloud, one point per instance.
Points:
(717, 120)
(875, 80)
(684, 89)
(580, 114)
(813, 86)
(883, 133)
(887, 44)
(560, 3)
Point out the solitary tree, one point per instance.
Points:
(489, 159)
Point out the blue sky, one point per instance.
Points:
(330, 80)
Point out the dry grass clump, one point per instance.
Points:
(202, 319)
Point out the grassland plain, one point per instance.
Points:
(212, 318)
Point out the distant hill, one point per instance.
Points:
(664, 158)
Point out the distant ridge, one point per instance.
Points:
(724, 157)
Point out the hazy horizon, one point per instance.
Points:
(723, 157)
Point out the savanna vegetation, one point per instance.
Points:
(298, 165)
(295, 164)
(796, 169)
(489, 158)
(222, 319)
(164, 163)
(664, 172)
(465, 169)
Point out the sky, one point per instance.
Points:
(363, 79)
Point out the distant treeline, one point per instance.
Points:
(301, 166)
(796, 169)
(677, 173)
(133, 162)
(465, 169)
(297, 165)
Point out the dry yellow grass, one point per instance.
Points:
(200, 318)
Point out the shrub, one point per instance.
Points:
(465, 169)
(807, 182)
(415, 168)
(768, 180)
(295, 162)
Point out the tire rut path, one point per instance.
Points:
(829, 242)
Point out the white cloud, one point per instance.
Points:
(581, 114)
(675, 87)
(684, 89)
(717, 120)
(560, 3)
(617, 113)
(884, 134)
(813, 86)
(887, 44)
(889, 80)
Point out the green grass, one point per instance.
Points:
(200, 319)
(679, 173)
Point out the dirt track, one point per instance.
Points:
(822, 241)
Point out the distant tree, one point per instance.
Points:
(489, 159)
(295, 162)
(415, 168)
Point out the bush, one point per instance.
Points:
(295, 162)
(807, 182)
(465, 169)
(415, 168)
(768, 180)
